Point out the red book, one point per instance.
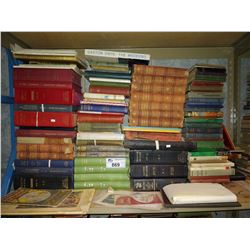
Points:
(47, 96)
(45, 119)
(209, 179)
(43, 75)
(109, 90)
(100, 117)
(45, 133)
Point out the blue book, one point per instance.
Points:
(104, 74)
(205, 100)
(104, 108)
(203, 105)
(44, 163)
(44, 171)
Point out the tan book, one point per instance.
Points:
(46, 148)
(44, 156)
(98, 142)
(44, 140)
(207, 159)
(226, 164)
(211, 171)
(162, 114)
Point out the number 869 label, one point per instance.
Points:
(115, 163)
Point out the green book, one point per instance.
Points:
(98, 127)
(210, 144)
(103, 148)
(210, 78)
(202, 125)
(96, 170)
(110, 84)
(204, 153)
(203, 120)
(109, 154)
(101, 177)
(102, 184)
(98, 161)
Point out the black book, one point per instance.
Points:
(44, 171)
(162, 145)
(46, 107)
(158, 157)
(158, 171)
(155, 184)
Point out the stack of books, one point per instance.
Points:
(47, 94)
(158, 154)
(101, 160)
(204, 124)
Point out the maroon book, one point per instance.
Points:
(109, 90)
(100, 117)
(45, 133)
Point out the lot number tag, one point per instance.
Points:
(115, 163)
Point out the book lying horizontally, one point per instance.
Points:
(151, 129)
(199, 193)
(103, 96)
(100, 136)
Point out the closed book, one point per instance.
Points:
(108, 83)
(207, 159)
(100, 117)
(43, 164)
(45, 133)
(133, 135)
(44, 156)
(110, 67)
(43, 182)
(204, 100)
(145, 80)
(204, 95)
(44, 171)
(46, 107)
(211, 171)
(202, 125)
(161, 145)
(96, 170)
(155, 184)
(101, 162)
(207, 84)
(45, 119)
(203, 130)
(204, 153)
(99, 142)
(101, 177)
(47, 96)
(98, 127)
(213, 88)
(209, 179)
(109, 136)
(123, 185)
(45, 148)
(226, 164)
(105, 102)
(102, 154)
(152, 129)
(46, 75)
(203, 120)
(43, 140)
(103, 96)
(203, 114)
(159, 71)
(201, 136)
(105, 74)
(210, 144)
(158, 171)
(101, 148)
(157, 157)
(204, 105)
(104, 108)
(110, 90)
(160, 89)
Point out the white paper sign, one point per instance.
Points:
(115, 163)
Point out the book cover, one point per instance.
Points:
(102, 177)
(46, 107)
(78, 169)
(122, 185)
(45, 133)
(110, 90)
(98, 127)
(100, 117)
(42, 171)
(99, 142)
(104, 108)
(209, 179)
(105, 74)
(43, 140)
(152, 129)
(100, 136)
(102, 154)
(103, 148)
(44, 156)
(102, 162)
(103, 96)
(43, 164)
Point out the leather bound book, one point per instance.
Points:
(45, 133)
(155, 184)
(45, 119)
(109, 90)
(159, 71)
(99, 118)
(46, 148)
(44, 163)
(209, 179)
(44, 140)
(161, 145)
(158, 157)
(159, 80)
(162, 114)
(158, 171)
(44, 171)
(44, 156)
(132, 135)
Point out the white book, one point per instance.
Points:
(100, 136)
(103, 96)
(97, 79)
(211, 172)
(191, 193)
(208, 164)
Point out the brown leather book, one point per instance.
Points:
(162, 98)
(43, 140)
(46, 148)
(154, 106)
(156, 122)
(158, 89)
(132, 135)
(159, 71)
(159, 80)
(44, 156)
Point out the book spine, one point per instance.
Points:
(43, 140)
(159, 71)
(45, 148)
(99, 170)
(96, 161)
(109, 90)
(101, 149)
(45, 133)
(211, 172)
(44, 156)
(158, 81)
(44, 171)
(207, 158)
(157, 157)
(203, 130)
(98, 127)
(105, 74)
(155, 184)
(161, 114)
(104, 96)
(123, 185)
(43, 164)
(101, 177)
(158, 171)
(99, 142)
(209, 179)
(44, 119)
(45, 108)
(100, 136)
(102, 154)
(40, 182)
(104, 108)
(99, 118)
(47, 96)
(227, 164)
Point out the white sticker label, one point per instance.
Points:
(168, 146)
(115, 163)
(52, 120)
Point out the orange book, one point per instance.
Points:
(161, 114)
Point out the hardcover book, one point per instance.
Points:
(99, 117)
(102, 177)
(43, 140)
(45, 133)
(46, 107)
(122, 185)
(110, 90)
(43, 164)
